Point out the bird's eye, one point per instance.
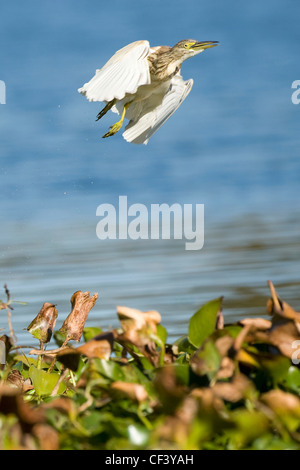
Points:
(186, 46)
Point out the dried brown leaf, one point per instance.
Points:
(257, 323)
(276, 306)
(177, 428)
(283, 335)
(42, 325)
(73, 325)
(47, 436)
(220, 320)
(280, 402)
(15, 379)
(11, 401)
(170, 390)
(224, 344)
(138, 329)
(233, 391)
(137, 325)
(241, 337)
(62, 404)
(227, 368)
(134, 391)
(208, 400)
(100, 346)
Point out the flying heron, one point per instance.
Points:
(143, 84)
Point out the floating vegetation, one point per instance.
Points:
(221, 386)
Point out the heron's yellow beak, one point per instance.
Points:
(204, 45)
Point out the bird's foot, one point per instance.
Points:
(113, 129)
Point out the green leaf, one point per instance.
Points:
(276, 366)
(182, 372)
(292, 380)
(109, 369)
(90, 332)
(44, 382)
(162, 333)
(250, 425)
(28, 361)
(92, 422)
(207, 360)
(203, 322)
(184, 346)
(59, 338)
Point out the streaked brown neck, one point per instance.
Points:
(163, 64)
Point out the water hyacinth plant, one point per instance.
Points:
(219, 386)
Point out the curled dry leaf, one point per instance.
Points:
(256, 323)
(224, 344)
(208, 400)
(12, 402)
(73, 325)
(137, 325)
(233, 391)
(283, 336)
(177, 428)
(227, 368)
(134, 391)
(220, 320)
(42, 325)
(281, 332)
(172, 430)
(241, 337)
(138, 329)
(170, 388)
(276, 306)
(100, 347)
(188, 409)
(46, 436)
(280, 402)
(285, 325)
(17, 380)
(62, 404)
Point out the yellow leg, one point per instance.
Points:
(116, 127)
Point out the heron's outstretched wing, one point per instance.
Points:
(140, 130)
(125, 71)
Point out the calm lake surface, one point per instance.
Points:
(232, 146)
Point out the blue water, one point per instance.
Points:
(233, 145)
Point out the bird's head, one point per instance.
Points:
(190, 47)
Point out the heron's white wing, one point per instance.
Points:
(125, 71)
(139, 131)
